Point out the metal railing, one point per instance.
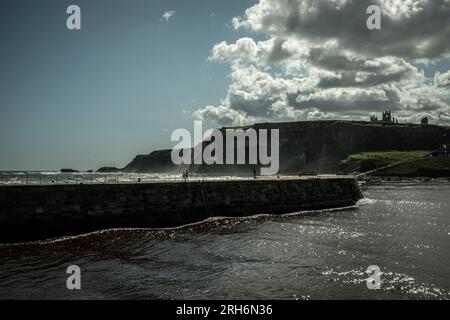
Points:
(96, 178)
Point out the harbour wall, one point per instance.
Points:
(32, 212)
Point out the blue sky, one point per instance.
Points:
(114, 89)
(98, 96)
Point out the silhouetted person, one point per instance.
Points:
(187, 175)
(254, 172)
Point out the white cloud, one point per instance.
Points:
(221, 114)
(168, 14)
(319, 61)
(442, 79)
(410, 29)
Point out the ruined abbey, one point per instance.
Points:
(386, 118)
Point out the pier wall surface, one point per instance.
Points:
(31, 212)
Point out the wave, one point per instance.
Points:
(207, 224)
(366, 201)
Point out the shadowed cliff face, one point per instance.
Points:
(317, 146)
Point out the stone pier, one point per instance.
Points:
(31, 212)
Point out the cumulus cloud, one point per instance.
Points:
(319, 61)
(410, 29)
(222, 115)
(168, 14)
(258, 52)
(442, 79)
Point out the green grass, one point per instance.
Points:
(428, 167)
(389, 156)
(414, 163)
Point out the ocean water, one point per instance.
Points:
(403, 228)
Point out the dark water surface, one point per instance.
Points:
(402, 228)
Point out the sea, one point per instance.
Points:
(402, 228)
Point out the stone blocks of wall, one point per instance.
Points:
(39, 212)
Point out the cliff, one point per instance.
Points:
(317, 146)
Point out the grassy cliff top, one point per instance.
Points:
(409, 164)
(389, 157)
(356, 123)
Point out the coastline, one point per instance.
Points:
(377, 180)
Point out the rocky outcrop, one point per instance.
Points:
(69, 171)
(109, 170)
(157, 161)
(315, 146)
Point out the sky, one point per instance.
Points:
(139, 69)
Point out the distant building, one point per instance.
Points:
(386, 118)
(424, 121)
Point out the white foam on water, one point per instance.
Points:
(216, 219)
(366, 201)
